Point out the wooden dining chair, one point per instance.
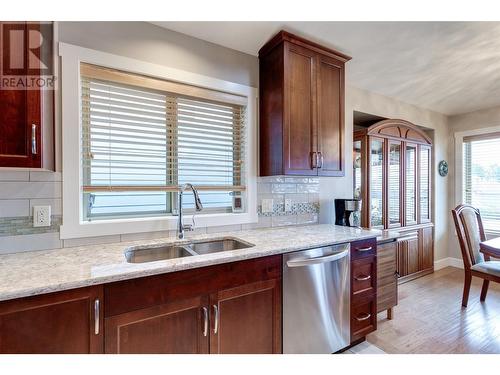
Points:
(470, 232)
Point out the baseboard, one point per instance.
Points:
(448, 262)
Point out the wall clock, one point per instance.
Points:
(443, 168)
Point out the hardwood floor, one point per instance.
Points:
(430, 319)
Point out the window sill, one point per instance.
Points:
(151, 224)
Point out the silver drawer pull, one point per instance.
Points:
(96, 316)
(363, 278)
(362, 318)
(364, 249)
(205, 321)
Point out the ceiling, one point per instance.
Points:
(448, 67)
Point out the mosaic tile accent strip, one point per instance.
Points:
(296, 209)
(17, 226)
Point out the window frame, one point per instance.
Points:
(459, 163)
(73, 224)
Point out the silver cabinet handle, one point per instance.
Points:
(314, 160)
(362, 318)
(205, 321)
(321, 160)
(33, 139)
(319, 260)
(363, 278)
(96, 316)
(216, 318)
(364, 249)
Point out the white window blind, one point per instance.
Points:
(139, 143)
(481, 177)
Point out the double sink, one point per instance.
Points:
(152, 253)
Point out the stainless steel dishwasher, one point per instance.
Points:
(316, 300)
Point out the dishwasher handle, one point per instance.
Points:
(325, 259)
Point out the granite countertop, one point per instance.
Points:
(39, 272)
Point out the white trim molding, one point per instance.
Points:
(448, 262)
(73, 225)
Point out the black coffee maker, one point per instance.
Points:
(348, 212)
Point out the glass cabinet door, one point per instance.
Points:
(425, 181)
(411, 186)
(394, 183)
(357, 169)
(376, 182)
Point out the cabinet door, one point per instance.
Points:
(20, 110)
(299, 138)
(247, 319)
(179, 327)
(376, 182)
(427, 248)
(387, 285)
(408, 253)
(410, 184)
(57, 323)
(330, 103)
(425, 184)
(394, 184)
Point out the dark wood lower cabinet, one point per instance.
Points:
(387, 277)
(57, 323)
(175, 328)
(249, 319)
(230, 308)
(415, 252)
(364, 285)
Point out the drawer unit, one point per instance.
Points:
(363, 288)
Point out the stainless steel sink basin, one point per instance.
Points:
(143, 254)
(151, 254)
(215, 246)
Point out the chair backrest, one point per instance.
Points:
(470, 233)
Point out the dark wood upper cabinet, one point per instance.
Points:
(67, 322)
(301, 108)
(26, 114)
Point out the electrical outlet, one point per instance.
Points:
(41, 216)
(267, 205)
(288, 205)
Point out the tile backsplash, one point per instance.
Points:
(21, 190)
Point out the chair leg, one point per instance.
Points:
(467, 281)
(484, 289)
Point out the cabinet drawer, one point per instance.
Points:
(363, 273)
(364, 248)
(363, 317)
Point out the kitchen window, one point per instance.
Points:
(481, 177)
(134, 131)
(143, 137)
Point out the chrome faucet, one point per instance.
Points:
(197, 202)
